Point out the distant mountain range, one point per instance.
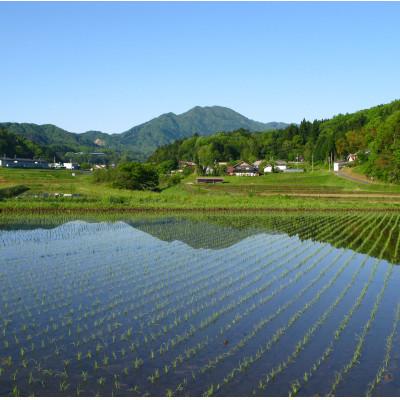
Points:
(141, 140)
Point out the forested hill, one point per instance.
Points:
(140, 141)
(13, 145)
(374, 133)
(201, 120)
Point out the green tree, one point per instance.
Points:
(135, 176)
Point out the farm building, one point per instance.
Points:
(23, 163)
(280, 165)
(337, 165)
(56, 165)
(188, 164)
(290, 170)
(71, 165)
(209, 180)
(245, 169)
(351, 157)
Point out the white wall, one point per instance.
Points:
(336, 166)
(268, 168)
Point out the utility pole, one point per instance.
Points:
(312, 162)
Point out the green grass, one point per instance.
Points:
(318, 181)
(288, 191)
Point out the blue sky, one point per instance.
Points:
(110, 66)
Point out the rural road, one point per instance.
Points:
(345, 175)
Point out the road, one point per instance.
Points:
(343, 174)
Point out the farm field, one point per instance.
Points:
(216, 305)
(320, 189)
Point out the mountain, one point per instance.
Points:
(140, 141)
(202, 120)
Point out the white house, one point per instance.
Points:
(70, 165)
(268, 168)
(352, 157)
(245, 169)
(56, 165)
(280, 165)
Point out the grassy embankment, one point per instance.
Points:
(313, 190)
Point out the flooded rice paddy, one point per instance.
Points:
(185, 306)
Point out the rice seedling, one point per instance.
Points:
(357, 351)
(386, 360)
(167, 314)
(347, 317)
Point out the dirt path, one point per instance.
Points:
(344, 173)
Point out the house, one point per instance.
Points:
(230, 170)
(71, 165)
(268, 168)
(351, 157)
(280, 165)
(56, 165)
(188, 164)
(23, 163)
(245, 169)
(337, 165)
(257, 164)
(209, 180)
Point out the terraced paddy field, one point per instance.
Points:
(246, 305)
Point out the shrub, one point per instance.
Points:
(129, 175)
(12, 191)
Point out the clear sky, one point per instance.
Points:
(110, 66)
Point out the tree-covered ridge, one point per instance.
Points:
(201, 120)
(12, 145)
(373, 133)
(140, 141)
